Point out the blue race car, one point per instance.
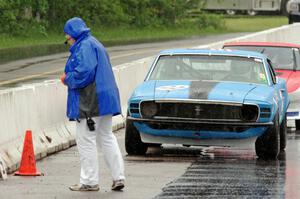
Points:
(209, 98)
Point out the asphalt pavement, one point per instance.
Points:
(172, 171)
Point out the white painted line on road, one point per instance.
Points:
(130, 54)
(30, 77)
(61, 70)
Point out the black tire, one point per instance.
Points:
(133, 142)
(267, 146)
(297, 122)
(283, 132)
(154, 145)
(283, 7)
(291, 20)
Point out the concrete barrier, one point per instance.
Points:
(41, 107)
(287, 33)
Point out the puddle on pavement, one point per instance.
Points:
(230, 173)
(226, 173)
(220, 178)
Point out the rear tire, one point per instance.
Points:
(267, 146)
(133, 142)
(291, 20)
(297, 122)
(283, 132)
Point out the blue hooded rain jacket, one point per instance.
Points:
(92, 90)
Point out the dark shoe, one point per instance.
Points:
(83, 187)
(117, 185)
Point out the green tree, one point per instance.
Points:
(17, 16)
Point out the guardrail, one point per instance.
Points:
(41, 107)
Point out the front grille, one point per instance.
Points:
(199, 111)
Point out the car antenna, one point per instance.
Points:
(262, 51)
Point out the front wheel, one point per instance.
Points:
(291, 20)
(133, 142)
(283, 132)
(267, 146)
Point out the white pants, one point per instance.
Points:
(87, 147)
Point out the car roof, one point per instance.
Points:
(271, 44)
(214, 52)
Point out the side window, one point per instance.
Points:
(272, 72)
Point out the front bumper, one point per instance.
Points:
(293, 114)
(241, 143)
(195, 129)
(207, 122)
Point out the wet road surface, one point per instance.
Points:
(171, 172)
(229, 176)
(228, 173)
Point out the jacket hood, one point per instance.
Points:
(75, 27)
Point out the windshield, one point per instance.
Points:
(210, 68)
(281, 57)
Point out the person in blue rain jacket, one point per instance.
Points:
(93, 98)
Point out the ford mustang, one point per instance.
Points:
(286, 62)
(208, 98)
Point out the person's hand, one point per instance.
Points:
(62, 78)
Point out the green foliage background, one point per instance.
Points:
(19, 17)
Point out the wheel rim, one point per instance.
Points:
(231, 12)
(251, 12)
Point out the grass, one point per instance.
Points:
(254, 24)
(135, 35)
(7, 41)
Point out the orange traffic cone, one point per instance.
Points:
(27, 167)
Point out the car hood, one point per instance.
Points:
(291, 77)
(202, 90)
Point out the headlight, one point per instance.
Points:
(148, 109)
(249, 113)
